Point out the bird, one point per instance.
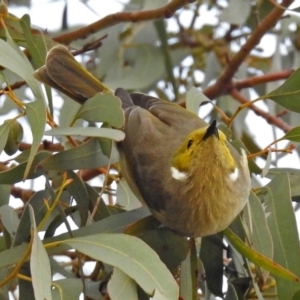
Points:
(184, 169)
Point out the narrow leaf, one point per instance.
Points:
(36, 115)
(194, 98)
(121, 286)
(65, 289)
(89, 155)
(102, 108)
(119, 250)
(39, 266)
(283, 228)
(287, 95)
(258, 258)
(107, 133)
(292, 135)
(15, 174)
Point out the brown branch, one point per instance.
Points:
(163, 12)
(46, 145)
(252, 81)
(267, 24)
(14, 86)
(271, 119)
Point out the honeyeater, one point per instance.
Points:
(185, 170)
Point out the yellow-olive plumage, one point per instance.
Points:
(190, 177)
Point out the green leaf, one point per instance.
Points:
(194, 98)
(283, 228)
(121, 286)
(5, 194)
(35, 44)
(236, 12)
(260, 235)
(15, 174)
(288, 94)
(9, 219)
(292, 135)
(112, 224)
(39, 265)
(119, 250)
(107, 133)
(259, 259)
(12, 60)
(89, 155)
(102, 108)
(4, 130)
(145, 60)
(171, 248)
(69, 288)
(188, 281)
(294, 178)
(77, 189)
(36, 115)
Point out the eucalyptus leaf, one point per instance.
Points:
(39, 260)
(194, 98)
(4, 130)
(88, 155)
(283, 228)
(15, 174)
(36, 115)
(287, 95)
(69, 288)
(9, 219)
(121, 286)
(4, 194)
(102, 108)
(188, 280)
(119, 250)
(77, 189)
(107, 133)
(292, 135)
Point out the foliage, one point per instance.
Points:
(73, 177)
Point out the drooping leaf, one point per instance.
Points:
(261, 238)
(15, 174)
(102, 108)
(292, 135)
(287, 95)
(283, 228)
(120, 250)
(188, 275)
(69, 288)
(107, 133)
(121, 286)
(258, 258)
(36, 115)
(77, 189)
(89, 155)
(39, 260)
(194, 98)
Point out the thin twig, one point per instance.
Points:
(163, 12)
(271, 119)
(267, 24)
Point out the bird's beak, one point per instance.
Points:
(211, 130)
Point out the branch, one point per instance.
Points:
(271, 119)
(252, 81)
(163, 12)
(263, 27)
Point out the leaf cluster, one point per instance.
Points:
(66, 155)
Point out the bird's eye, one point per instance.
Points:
(189, 144)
